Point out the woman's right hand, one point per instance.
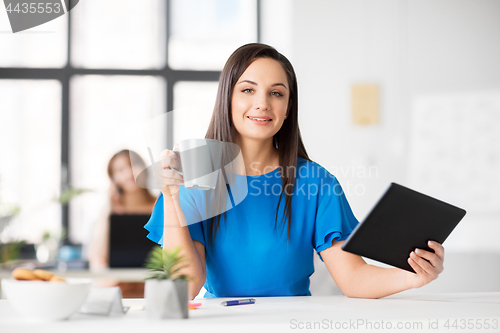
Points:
(169, 180)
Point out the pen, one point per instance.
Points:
(239, 302)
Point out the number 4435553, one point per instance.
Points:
(35, 8)
(471, 324)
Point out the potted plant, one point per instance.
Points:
(166, 290)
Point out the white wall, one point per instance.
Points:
(454, 48)
(454, 45)
(411, 48)
(276, 25)
(337, 44)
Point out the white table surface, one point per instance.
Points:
(289, 314)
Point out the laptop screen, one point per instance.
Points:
(128, 244)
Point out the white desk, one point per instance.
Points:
(290, 314)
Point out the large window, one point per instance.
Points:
(30, 150)
(71, 88)
(29, 48)
(193, 98)
(103, 109)
(124, 34)
(205, 32)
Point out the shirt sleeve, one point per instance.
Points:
(334, 217)
(191, 213)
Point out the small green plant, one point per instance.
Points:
(70, 193)
(165, 264)
(10, 251)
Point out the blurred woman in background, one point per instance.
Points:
(125, 197)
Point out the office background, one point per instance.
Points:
(435, 64)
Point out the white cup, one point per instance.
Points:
(201, 162)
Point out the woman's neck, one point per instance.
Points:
(260, 156)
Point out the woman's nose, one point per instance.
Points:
(262, 102)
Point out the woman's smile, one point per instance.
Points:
(261, 121)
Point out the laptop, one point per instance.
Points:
(128, 244)
(402, 220)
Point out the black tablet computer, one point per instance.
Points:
(128, 242)
(402, 220)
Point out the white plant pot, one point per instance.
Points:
(166, 299)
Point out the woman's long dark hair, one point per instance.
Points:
(288, 139)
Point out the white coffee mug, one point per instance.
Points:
(201, 162)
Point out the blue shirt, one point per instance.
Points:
(249, 256)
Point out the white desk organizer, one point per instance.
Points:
(104, 301)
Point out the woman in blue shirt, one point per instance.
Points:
(264, 245)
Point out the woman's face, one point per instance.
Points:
(122, 173)
(261, 92)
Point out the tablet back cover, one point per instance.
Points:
(402, 220)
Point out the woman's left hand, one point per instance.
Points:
(427, 265)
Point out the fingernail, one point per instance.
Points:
(418, 251)
(430, 243)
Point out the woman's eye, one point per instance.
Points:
(276, 93)
(247, 90)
